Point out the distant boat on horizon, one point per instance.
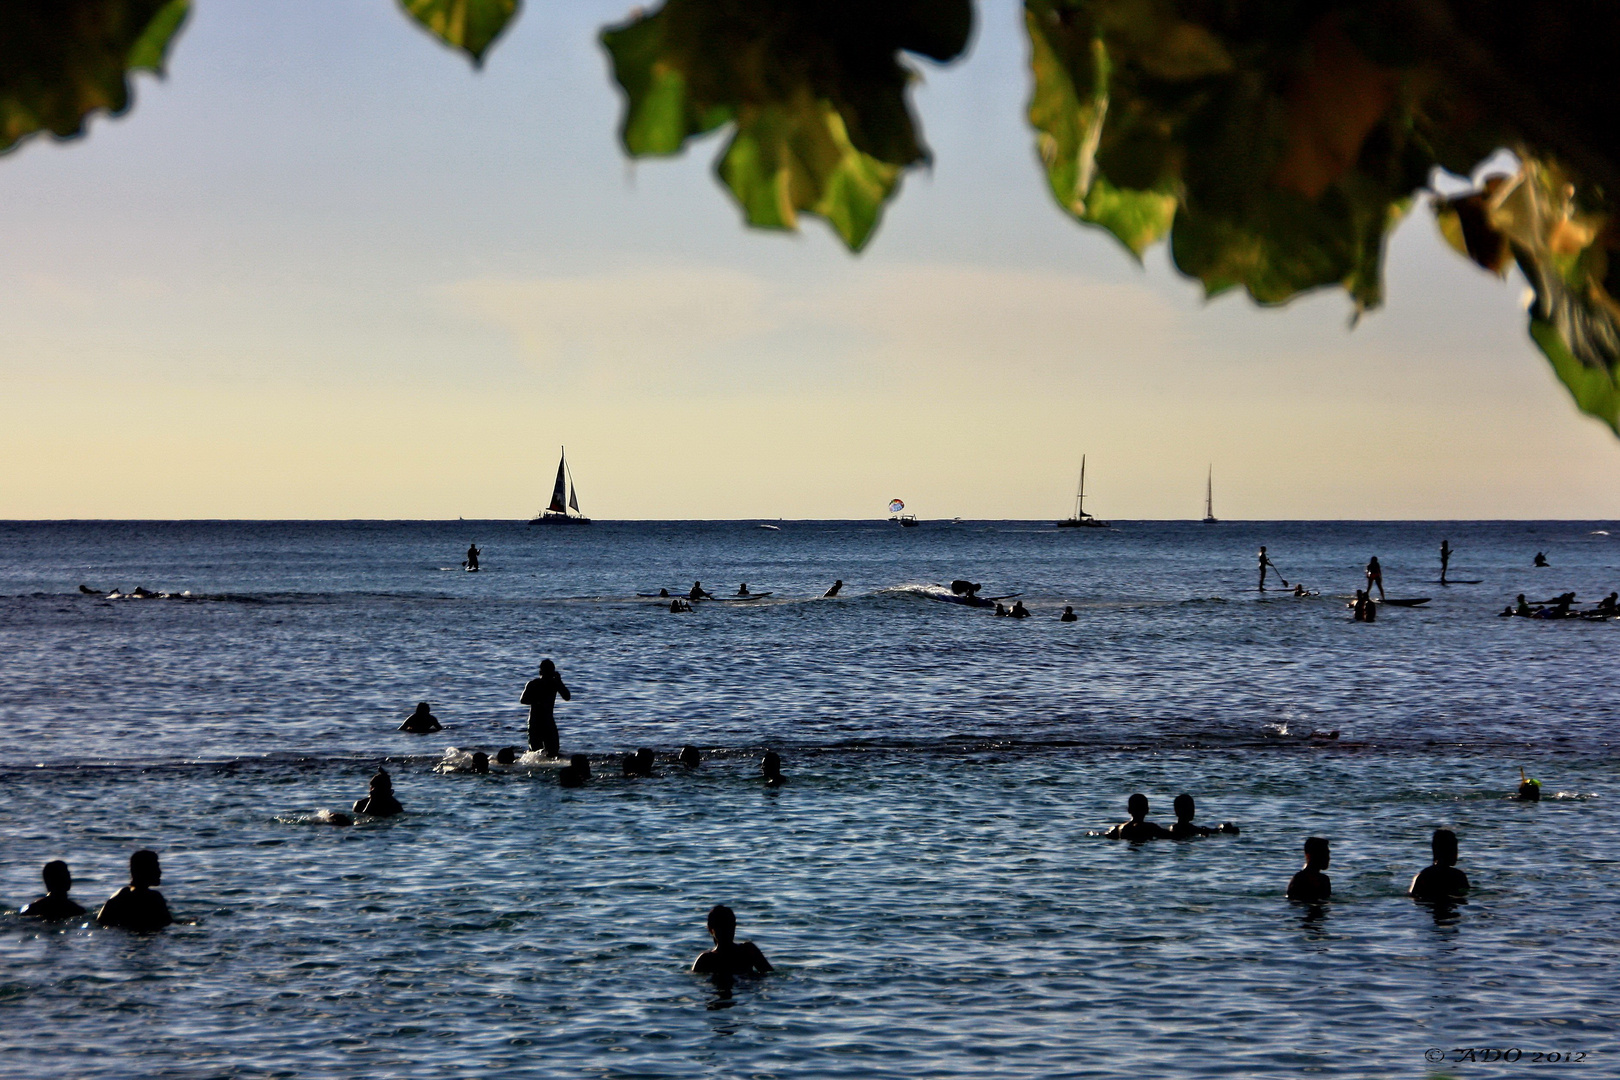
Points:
(1081, 519)
(904, 520)
(1209, 498)
(557, 513)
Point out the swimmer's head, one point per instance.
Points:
(690, 757)
(422, 707)
(628, 764)
(770, 765)
(1138, 805)
(480, 761)
(1184, 807)
(722, 923)
(1529, 789)
(144, 871)
(644, 761)
(506, 755)
(547, 666)
(1316, 852)
(580, 764)
(58, 879)
(1444, 846)
(382, 781)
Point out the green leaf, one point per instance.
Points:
(797, 157)
(152, 47)
(1593, 385)
(815, 89)
(62, 61)
(469, 25)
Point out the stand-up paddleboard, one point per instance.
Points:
(1461, 581)
(741, 599)
(1407, 601)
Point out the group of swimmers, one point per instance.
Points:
(137, 906)
(1561, 607)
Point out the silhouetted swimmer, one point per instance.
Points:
(1609, 604)
(421, 722)
(576, 772)
(88, 591)
(644, 762)
(138, 905)
(1364, 609)
(742, 590)
(54, 906)
(1019, 611)
(1529, 788)
(1299, 589)
(1441, 880)
(1184, 829)
(1375, 576)
(506, 755)
(581, 764)
(1068, 614)
(627, 766)
(1001, 611)
(540, 695)
(690, 757)
(839, 584)
(770, 767)
(677, 606)
(697, 592)
(1540, 560)
(663, 592)
(729, 956)
(1138, 828)
(1521, 607)
(1310, 885)
(480, 762)
(379, 800)
(472, 556)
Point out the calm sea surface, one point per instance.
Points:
(925, 883)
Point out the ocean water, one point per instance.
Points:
(926, 883)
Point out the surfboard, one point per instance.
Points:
(1407, 601)
(742, 599)
(1461, 581)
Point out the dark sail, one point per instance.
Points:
(573, 498)
(558, 493)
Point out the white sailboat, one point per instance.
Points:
(1209, 499)
(1081, 519)
(557, 512)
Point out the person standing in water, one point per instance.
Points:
(1441, 880)
(138, 905)
(472, 556)
(1265, 561)
(1375, 576)
(1445, 559)
(54, 906)
(540, 695)
(1310, 885)
(729, 957)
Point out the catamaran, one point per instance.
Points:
(557, 513)
(1209, 499)
(1081, 519)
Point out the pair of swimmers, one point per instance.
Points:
(1139, 828)
(1017, 611)
(137, 906)
(1439, 882)
(1363, 609)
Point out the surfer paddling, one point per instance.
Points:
(697, 593)
(540, 695)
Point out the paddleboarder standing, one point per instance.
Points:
(1265, 561)
(1445, 559)
(1375, 576)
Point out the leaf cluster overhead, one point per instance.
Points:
(1273, 143)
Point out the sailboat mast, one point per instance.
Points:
(1209, 494)
(1080, 497)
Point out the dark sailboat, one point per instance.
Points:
(557, 513)
(1209, 499)
(1081, 519)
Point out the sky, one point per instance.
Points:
(326, 269)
